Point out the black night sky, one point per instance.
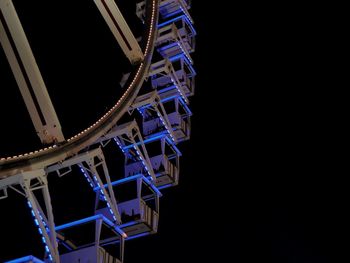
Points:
(256, 177)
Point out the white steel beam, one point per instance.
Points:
(27, 75)
(128, 134)
(108, 193)
(48, 234)
(4, 193)
(118, 130)
(120, 29)
(30, 182)
(75, 160)
(92, 174)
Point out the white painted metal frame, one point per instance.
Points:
(120, 29)
(27, 75)
(129, 134)
(30, 182)
(88, 166)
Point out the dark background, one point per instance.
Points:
(258, 179)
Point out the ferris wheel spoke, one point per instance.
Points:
(27, 75)
(120, 29)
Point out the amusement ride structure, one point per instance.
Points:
(144, 127)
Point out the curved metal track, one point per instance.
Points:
(41, 158)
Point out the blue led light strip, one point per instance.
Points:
(179, 56)
(25, 260)
(39, 229)
(178, 89)
(151, 139)
(187, 109)
(163, 121)
(96, 181)
(185, 52)
(133, 178)
(138, 235)
(170, 21)
(91, 219)
(185, 13)
(85, 175)
(137, 152)
(119, 145)
(141, 159)
(164, 186)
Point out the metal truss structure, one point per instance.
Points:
(156, 106)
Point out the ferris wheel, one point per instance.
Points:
(143, 127)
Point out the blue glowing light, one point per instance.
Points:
(145, 141)
(91, 219)
(170, 21)
(140, 158)
(86, 176)
(165, 186)
(137, 236)
(79, 222)
(25, 259)
(133, 178)
(187, 109)
(177, 57)
(129, 224)
(119, 145)
(98, 184)
(167, 46)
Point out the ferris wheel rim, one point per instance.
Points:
(12, 165)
